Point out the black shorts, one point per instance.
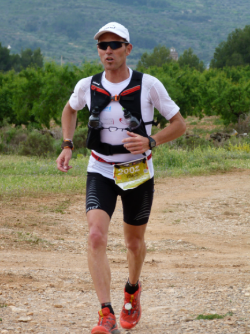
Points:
(102, 194)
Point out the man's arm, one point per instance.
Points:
(69, 116)
(176, 128)
(137, 144)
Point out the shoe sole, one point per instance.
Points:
(115, 331)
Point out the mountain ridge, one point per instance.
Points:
(66, 28)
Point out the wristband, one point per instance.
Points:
(67, 143)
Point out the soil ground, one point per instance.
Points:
(198, 260)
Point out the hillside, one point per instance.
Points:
(66, 28)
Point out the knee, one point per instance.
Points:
(135, 245)
(97, 239)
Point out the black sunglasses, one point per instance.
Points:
(114, 45)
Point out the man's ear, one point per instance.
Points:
(129, 49)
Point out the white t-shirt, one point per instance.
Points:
(153, 94)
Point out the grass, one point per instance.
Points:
(178, 162)
(2, 305)
(58, 208)
(62, 206)
(30, 238)
(213, 316)
(177, 221)
(34, 176)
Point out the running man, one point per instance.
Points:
(121, 102)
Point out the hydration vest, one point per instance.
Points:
(129, 98)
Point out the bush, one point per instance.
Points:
(37, 144)
(79, 140)
(192, 142)
(31, 142)
(10, 139)
(243, 125)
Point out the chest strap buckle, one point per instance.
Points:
(115, 98)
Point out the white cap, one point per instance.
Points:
(115, 28)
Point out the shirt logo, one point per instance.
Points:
(123, 121)
(107, 108)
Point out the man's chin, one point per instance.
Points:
(110, 67)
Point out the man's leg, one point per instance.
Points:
(98, 222)
(100, 205)
(137, 206)
(136, 250)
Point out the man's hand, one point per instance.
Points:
(63, 160)
(136, 144)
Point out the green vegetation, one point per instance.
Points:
(188, 58)
(227, 93)
(235, 51)
(66, 28)
(36, 96)
(213, 92)
(16, 62)
(2, 306)
(199, 161)
(24, 176)
(32, 100)
(16, 140)
(158, 57)
(213, 316)
(30, 238)
(33, 176)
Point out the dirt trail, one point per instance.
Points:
(198, 261)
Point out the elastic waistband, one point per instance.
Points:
(112, 163)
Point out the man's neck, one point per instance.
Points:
(116, 76)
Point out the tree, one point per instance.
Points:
(184, 87)
(7, 83)
(19, 62)
(188, 58)
(39, 94)
(227, 95)
(235, 51)
(5, 59)
(159, 56)
(30, 58)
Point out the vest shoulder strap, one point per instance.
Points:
(137, 75)
(97, 78)
(100, 97)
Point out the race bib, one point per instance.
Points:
(129, 175)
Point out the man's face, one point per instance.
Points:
(113, 59)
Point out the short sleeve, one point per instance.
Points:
(79, 97)
(161, 100)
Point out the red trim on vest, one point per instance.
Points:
(100, 90)
(112, 163)
(116, 97)
(131, 90)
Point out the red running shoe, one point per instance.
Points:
(106, 324)
(131, 311)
